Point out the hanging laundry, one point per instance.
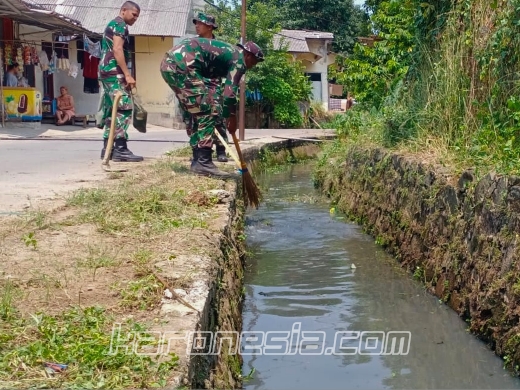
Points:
(94, 48)
(91, 86)
(90, 73)
(80, 55)
(74, 70)
(90, 66)
(44, 61)
(53, 63)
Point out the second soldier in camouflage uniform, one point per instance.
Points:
(205, 24)
(188, 69)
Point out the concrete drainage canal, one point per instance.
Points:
(326, 307)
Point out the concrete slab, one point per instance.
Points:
(45, 163)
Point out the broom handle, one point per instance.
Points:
(236, 142)
(112, 133)
(231, 152)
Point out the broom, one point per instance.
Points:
(108, 151)
(252, 193)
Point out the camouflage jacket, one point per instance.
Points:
(211, 59)
(108, 68)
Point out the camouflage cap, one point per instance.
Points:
(254, 49)
(206, 19)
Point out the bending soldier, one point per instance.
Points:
(188, 69)
(205, 25)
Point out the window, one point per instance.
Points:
(314, 76)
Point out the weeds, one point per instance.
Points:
(185, 151)
(141, 294)
(80, 339)
(10, 293)
(275, 161)
(138, 205)
(30, 240)
(98, 257)
(452, 96)
(141, 261)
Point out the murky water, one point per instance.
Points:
(302, 273)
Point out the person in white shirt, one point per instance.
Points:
(11, 77)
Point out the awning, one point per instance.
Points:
(34, 15)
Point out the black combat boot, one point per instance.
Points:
(221, 154)
(122, 153)
(105, 141)
(195, 151)
(204, 165)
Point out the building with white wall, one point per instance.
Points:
(313, 49)
(161, 24)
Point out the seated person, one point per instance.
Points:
(65, 110)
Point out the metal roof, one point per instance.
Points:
(26, 12)
(158, 17)
(296, 40)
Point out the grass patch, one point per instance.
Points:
(80, 339)
(99, 257)
(149, 204)
(185, 151)
(142, 294)
(112, 235)
(277, 160)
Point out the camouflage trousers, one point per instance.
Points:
(124, 108)
(192, 127)
(200, 100)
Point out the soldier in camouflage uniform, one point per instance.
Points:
(205, 24)
(115, 76)
(188, 68)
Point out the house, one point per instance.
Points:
(313, 49)
(25, 28)
(161, 24)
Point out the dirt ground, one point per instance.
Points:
(113, 245)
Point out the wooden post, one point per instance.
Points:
(242, 105)
(2, 105)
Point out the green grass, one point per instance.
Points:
(79, 338)
(136, 207)
(185, 151)
(141, 294)
(99, 257)
(276, 161)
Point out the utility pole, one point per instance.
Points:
(242, 106)
(2, 102)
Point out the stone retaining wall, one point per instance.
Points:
(457, 234)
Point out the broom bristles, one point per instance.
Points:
(252, 193)
(250, 190)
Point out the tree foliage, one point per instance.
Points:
(343, 18)
(280, 80)
(371, 72)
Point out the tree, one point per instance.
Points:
(370, 73)
(282, 84)
(280, 81)
(340, 17)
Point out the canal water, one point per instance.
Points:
(331, 299)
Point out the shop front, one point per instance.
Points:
(23, 103)
(34, 48)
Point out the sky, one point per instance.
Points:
(359, 2)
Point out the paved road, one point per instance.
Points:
(32, 171)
